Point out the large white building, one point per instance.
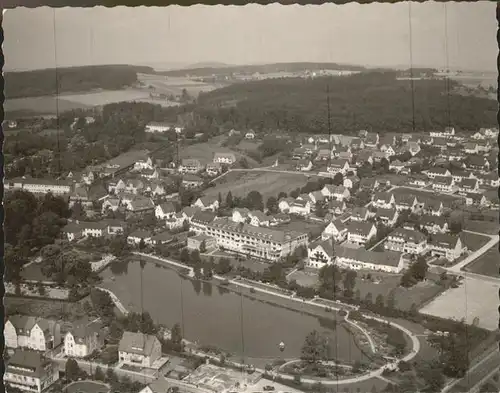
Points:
(82, 341)
(30, 371)
(154, 127)
(32, 333)
(357, 259)
(39, 186)
(259, 242)
(406, 241)
(139, 349)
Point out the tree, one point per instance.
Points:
(184, 256)
(176, 336)
(281, 195)
(111, 375)
(254, 201)
(203, 247)
(229, 200)
(391, 300)
(99, 374)
(419, 269)
(315, 348)
(272, 205)
(219, 199)
(223, 267)
(195, 257)
(338, 179)
(379, 301)
(369, 298)
(350, 282)
(72, 370)
(142, 244)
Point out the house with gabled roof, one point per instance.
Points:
(300, 207)
(405, 202)
(165, 210)
(407, 241)
(433, 207)
(200, 221)
(34, 333)
(369, 184)
(371, 139)
(320, 254)
(207, 203)
(304, 165)
(241, 214)
(190, 165)
(361, 259)
(161, 238)
(224, 158)
(413, 148)
(471, 148)
(475, 199)
(384, 200)
(139, 349)
(388, 217)
(338, 166)
(351, 181)
(336, 207)
(396, 166)
(364, 156)
(110, 204)
(467, 186)
(433, 224)
(213, 169)
(139, 235)
(437, 171)
(30, 371)
(446, 246)
(316, 197)
(360, 233)
(335, 230)
(478, 163)
(259, 219)
(360, 214)
(324, 155)
(444, 184)
(141, 205)
(83, 339)
(191, 181)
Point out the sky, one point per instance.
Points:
(370, 35)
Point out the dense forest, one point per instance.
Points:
(261, 68)
(71, 79)
(371, 100)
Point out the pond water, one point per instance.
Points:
(212, 315)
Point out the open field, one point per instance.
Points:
(205, 152)
(42, 105)
(487, 264)
(267, 183)
(473, 298)
(489, 227)
(418, 294)
(87, 387)
(175, 85)
(473, 241)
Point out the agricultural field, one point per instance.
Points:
(41, 105)
(267, 183)
(175, 85)
(474, 298)
(489, 227)
(487, 264)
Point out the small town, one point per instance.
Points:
(165, 248)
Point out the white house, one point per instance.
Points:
(336, 230)
(339, 193)
(259, 219)
(30, 371)
(302, 208)
(83, 340)
(444, 184)
(437, 171)
(250, 135)
(383, 200)
(361, 259)
(224, 158)
(135, 237)
(434, 224)
(406, 241)
(207, 203)
(360, 233)
(320, 254)
(360, 214)
(388, 217)
(304, 165)
(143, 163)
(240, 214)
(159, 127)
(32, 333)
(138, 349)
(165, 210)
(405, 202)
(467, 186)
(338, 166)
(446, 246)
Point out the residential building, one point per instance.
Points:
(207, 203)
(304, 165)
(446, 246)
(80, 195)
(137, 236)
(460, 175)
(467, 186)
(201, 220)
(361, 259)
(336, 230)
(240, 214)
(176, 221)
(250, 135)
(195, 242)
(140, 205)
(360, 233)
(315, 197)
(447, 132)
(406, 241)
(471, 148)
(30, 371)
(413, 148)
(388, 217)
(437, 171)
(444, 184)
(191, 181)
(259, 219)
(351, 181)
(213, 169)
(39, 186)
(165, 210)
(360, 214)
(190, 165)
(134, 186)
(110, 204)
(405, 202)
(364, 156)
(259, 242)
(433, 207)
(434, 224)
(475, 199)
(396, 166)
(83, 340)
(320, 254)
(372, 139)
(144, 163)
(336, 207)
(383, 200)
(338, 166)
(478, 163)
(369, 184)
(34, 333)
(160, 127)
(224, 158)
(73, 231)
(339, 193)
(138, 349)
(418, 181)
(161, 238)
(324, 155)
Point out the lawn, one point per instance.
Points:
(205, 152)
(87, 387)
(473, 241)
(487, 264)
(473, 298)
(418, 294)
(489, 227)
(267, 183)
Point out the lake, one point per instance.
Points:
(211, 315)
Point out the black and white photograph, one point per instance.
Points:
(250, 199)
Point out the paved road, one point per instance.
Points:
(115, 300)
(476, 254)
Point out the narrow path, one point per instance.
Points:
(115, 300)
(476, 254)
(363, 330)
